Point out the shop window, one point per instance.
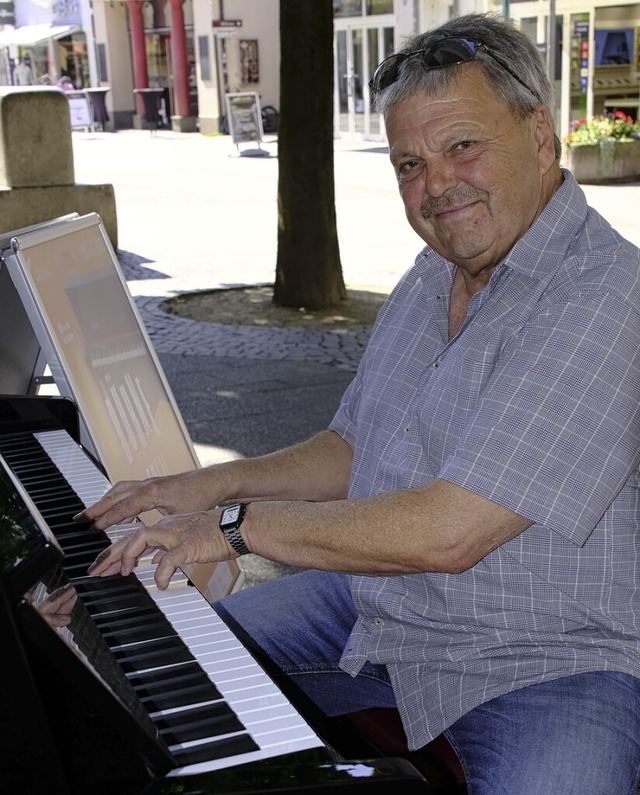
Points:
(347, 8)
(249, 63)
(360, 8)
(614, 47)
(379, 7)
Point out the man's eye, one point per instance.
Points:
(462, 146)
(406, 168)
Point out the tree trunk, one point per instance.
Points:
(308, 268)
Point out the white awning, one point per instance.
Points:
(32, 34)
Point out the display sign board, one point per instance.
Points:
(80, 111)
(244, 118)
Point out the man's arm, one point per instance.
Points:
(440, 527)
(317, 469)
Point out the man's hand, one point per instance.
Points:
(187, 492)
(178, 540)
(56, 608)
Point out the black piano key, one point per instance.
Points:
(209, 720)
(51, 500)
(82, 535)
(77, 560)
(217, 749)
(152, 654)
(97, 591)
(99, 603)
(60, 513)
(173, 687)
(76, 552)
(169, 677)
(119, 633)
(197, 693)
(127, 617)
(36, 470)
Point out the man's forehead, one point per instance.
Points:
(461, 79)
(468, 92)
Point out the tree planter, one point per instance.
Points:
(607, 161)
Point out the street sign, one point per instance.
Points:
(227, 23)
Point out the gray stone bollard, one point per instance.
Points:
(37, 175)
(36, 148)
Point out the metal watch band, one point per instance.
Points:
(231, 531)
(236, 542)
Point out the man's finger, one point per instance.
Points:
(167, 566)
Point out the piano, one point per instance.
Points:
(184, 706)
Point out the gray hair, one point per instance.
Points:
(508, 46)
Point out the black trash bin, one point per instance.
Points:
(151, 98)
(97, 98)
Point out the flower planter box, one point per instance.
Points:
(607, 161)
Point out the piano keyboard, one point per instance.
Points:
(89, 485)
(210, 701)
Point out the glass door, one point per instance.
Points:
(357, 51)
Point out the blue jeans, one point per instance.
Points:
(578, 735)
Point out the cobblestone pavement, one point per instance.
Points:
(172, 334)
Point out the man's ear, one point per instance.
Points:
(545, 138)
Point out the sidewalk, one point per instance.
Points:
(206, 218)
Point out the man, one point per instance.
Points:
(479, 482)
(23, 73)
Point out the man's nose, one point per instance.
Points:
(439, 177)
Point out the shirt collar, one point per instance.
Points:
(544, 245)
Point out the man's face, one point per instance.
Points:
(472, 177)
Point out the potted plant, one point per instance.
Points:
(603, 148)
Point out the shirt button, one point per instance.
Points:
(436, 364)
(378, 621)
(407, 429)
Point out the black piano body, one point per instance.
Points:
(123, 698)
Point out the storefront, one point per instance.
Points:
(605, 60)
(160, 69)
(46, 51)
(593, 55)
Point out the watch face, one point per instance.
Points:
(231, 514)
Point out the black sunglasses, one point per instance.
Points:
(445, 52)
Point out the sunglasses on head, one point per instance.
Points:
(445, 52)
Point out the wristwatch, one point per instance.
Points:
(230, 521)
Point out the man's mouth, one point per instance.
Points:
(448, 212)
(448, 206)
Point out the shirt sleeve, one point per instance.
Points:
(557, 430)
(343, 422)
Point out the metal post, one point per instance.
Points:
(551, 42)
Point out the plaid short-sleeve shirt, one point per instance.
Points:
(535, 405)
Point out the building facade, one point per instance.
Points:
(188, 54)
(592, 51)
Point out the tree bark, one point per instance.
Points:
(308, 267)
